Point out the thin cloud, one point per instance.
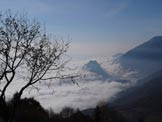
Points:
(96, 49)
(116, 8)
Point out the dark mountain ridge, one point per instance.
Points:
(151, 50)
(145, 59)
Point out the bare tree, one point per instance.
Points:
(24, 47)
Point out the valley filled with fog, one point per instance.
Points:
(100, 81)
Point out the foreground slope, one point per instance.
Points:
(143, 101)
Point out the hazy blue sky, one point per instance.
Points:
(96, 27)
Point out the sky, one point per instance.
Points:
(95, 28)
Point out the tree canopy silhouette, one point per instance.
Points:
(27, 52)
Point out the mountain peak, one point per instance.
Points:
(155, 42)
(94, 67)
(145, 58)
(156, 37)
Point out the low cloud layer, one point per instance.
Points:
(87, 95)
(84, 96)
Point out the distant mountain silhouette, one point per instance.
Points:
(145, 58)
(94, 67)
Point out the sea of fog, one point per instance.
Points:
(58, 94)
